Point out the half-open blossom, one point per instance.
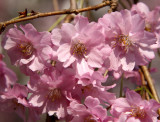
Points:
(15, 100)
(91, 111)
(94, 89)
(25, 48)
(7, 77)
(133, 108)
(124, 32)
(80, 43)
(152, 19)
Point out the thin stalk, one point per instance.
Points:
(82, 4)
(121, 87)
(147, 90)
(129, 2)
(57, 22)
(122, 4)
(138, 89)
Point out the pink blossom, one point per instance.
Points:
(26, 46)
(7, 77)
(50, 92)
(95, 90)
(14, 100)
(124, 32)
(133, 108)
(151, 17)
(90, 111)
(134, 76)
(81, 43)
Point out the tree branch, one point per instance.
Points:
(3, 25)
(150, 83)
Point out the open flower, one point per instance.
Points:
(15, 100)
(25, 48)
(133, 108)
(80, 43)
(50, 92)
(131, 44)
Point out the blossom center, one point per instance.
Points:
(54, 94)
(16, 104)
(86, 88)
(123, 41)
(26, 48)
(148, 27)
(78, 49)
(89, 119)
(137, 112)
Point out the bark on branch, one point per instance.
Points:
(31, 16)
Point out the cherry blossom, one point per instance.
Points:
(133, 108)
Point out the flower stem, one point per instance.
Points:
(121, 87)
(57, 22)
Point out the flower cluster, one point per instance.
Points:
(68, 67)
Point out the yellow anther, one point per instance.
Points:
(78, 49)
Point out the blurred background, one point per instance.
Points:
(10, 8)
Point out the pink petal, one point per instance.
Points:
(83, 68)
(133, 96)
(31, 33)
(128, 62)
(64, 52)
(56, 37)
(91, 102)
(68, 31)
(37, 100)
(69, 61)
(9, 44)
(95, 59)
(148, 53)
(81, 22)
(100, 112)
(36, 65)
(137, 20)
(26, 61)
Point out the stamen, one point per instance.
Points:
(16, 104)
(86, 88)
(89, 119)
(54, 94)
(78, 49)
(148, 27)
(26, 48)
(53, 63)
(123, 41)
(137, 112)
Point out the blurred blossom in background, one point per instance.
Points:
(10, 8)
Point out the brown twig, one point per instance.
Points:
(66, 11)
(73, 4)
(150, 83)
(113, 6)
(144, 84)
(51, 118)
(70, 17)
(55, 5)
